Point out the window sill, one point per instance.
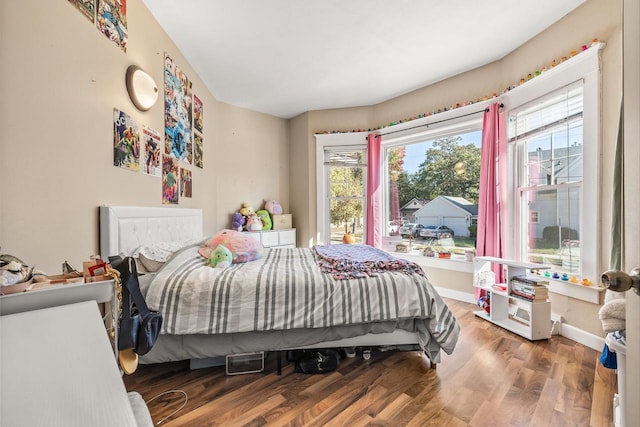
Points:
(455, 263)
(575, 290)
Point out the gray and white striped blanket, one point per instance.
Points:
(286, 290)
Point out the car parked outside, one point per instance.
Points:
(436, 232)
(411, 229)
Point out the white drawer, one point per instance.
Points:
(270, 238)
(288, 237)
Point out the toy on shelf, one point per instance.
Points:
(253, 223)
(264, 216)
(237, 221)
(273, 207)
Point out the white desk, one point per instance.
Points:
(57, 368)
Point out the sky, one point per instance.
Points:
(415, 152)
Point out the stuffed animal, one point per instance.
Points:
(237, 221)
(246, 210)
(221, 257)
(243, 246)
(273, 207)
(264, 216)
(254, 223)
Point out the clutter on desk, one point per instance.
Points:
(16, 276)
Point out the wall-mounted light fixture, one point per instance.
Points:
(141, 88)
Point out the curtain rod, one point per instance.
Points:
(439, 121)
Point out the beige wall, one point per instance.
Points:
(600, 19)
(61, 79)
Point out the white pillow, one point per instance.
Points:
(149, 258)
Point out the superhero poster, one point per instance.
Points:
(178, 112)
(111, 20)
(126, 141)
(170, 176)
(152, 152)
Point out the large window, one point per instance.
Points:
(548, 136)
(432, 185)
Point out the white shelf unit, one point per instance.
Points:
(531, 320)
(276, 238)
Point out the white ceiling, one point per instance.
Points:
(285, 57)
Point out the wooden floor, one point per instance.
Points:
(493, 378)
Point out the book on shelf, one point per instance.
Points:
(533, 290)
(528, 280)
(527, 296)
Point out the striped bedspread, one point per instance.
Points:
(286, 290)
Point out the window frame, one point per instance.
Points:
(449, 127)
(585, 67)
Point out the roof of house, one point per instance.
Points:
(463, 203)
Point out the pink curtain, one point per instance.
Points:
(492, 188)
(373, 232)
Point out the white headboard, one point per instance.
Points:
(124, 228)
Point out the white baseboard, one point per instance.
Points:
(456, 295)
(583, 337)
(578, 335)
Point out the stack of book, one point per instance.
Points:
(529, 288)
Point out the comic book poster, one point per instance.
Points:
(170, 180)
(152, 152)
(87, 7)
(197, 149)
(111, 20)
(197, 113)
(178, 112)
(185, 182)
(126, 141)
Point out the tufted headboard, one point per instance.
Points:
(124, 228)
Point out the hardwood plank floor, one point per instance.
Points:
(493, 378)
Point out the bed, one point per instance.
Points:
(287, 310)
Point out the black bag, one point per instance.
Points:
(139, 326)
(316, 361)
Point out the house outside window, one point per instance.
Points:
(431, 184)
(548, 136)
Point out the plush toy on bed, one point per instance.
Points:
(243, 246)
(221, 257)
(264, 216)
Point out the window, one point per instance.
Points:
(346, 170)
(548, 138)
(552, 212)
(432, 183)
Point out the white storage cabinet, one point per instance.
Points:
(531, 320)
(275, 238)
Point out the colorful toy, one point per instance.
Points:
(246, 210)
(273, 207)
(237, 221)
(485, 303)
(221, 257)
(264, 216)
(243, 246)
(253, 223)
(565, 277)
